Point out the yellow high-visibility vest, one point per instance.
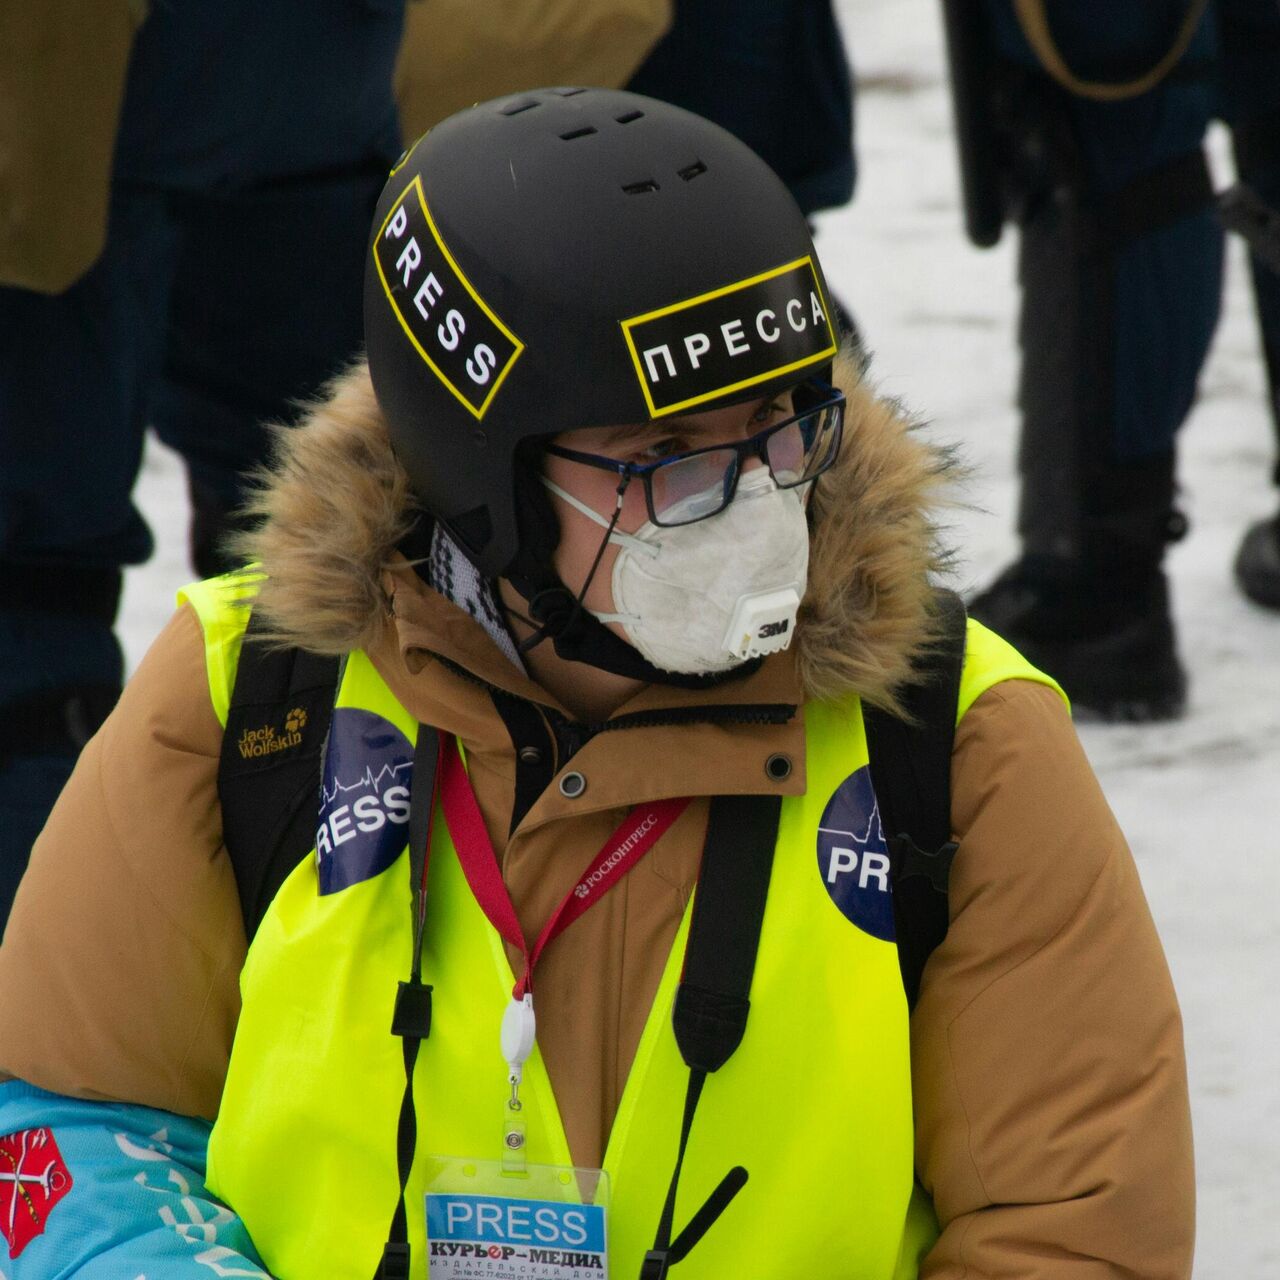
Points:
(815, 1103)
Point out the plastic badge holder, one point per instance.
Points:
(548, 1222)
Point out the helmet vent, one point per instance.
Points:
(517, 107)
(629, 116)
(640, 188)
(571, 92)
(585, 131)
(691, 171)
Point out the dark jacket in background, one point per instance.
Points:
(774, 73)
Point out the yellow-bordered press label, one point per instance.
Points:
(731, 338)
(452, 327)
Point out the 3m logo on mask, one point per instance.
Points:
(466, 346)
(364, 799)
(853, 858)
(731, 338)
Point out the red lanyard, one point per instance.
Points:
(642, 828)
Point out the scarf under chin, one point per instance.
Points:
(454, 576)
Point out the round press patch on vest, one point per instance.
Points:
(853, 858)
(364, 799)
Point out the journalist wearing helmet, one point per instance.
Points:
(490, 879)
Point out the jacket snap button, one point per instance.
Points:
(778, 767)
(530, 755)
(572, 785)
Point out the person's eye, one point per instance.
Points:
(656, 450)
(771, 409)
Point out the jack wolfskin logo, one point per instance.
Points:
(33, 1178)
(268, 740)
(731, 338)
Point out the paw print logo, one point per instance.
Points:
(296, 720)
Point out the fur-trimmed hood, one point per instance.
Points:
(332, 507)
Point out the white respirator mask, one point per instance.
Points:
(705, 597)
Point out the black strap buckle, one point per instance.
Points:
(656, 1264)
(933, 866)
(412, 1017)
(395, 1263)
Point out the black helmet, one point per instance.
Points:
(572, 258)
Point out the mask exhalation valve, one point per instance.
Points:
(762, 623)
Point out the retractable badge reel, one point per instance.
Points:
(507, 1219)
(519, 1032)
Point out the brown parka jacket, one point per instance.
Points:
(1052, 1120)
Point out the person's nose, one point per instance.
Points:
(755, 456)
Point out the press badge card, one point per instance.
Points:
(486, 1223)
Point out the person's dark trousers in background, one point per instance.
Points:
(253, 143)
(772, 72)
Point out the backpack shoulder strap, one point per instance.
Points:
(911, 774)
(714, 996)
(269, 769)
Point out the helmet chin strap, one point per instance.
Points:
(558, 613)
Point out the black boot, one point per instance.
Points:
(1097, 618)
(1108, 642)
(1258, 563)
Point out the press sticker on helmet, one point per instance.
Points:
(731, 338)
(452, 327)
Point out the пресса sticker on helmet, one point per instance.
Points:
(454, 330)
(731, 338)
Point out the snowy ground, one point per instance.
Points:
(1199, 799)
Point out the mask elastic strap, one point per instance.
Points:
(623, 539)
(544, 632)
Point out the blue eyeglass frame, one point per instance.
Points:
(753, 446)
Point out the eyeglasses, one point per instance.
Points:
(693, 486)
